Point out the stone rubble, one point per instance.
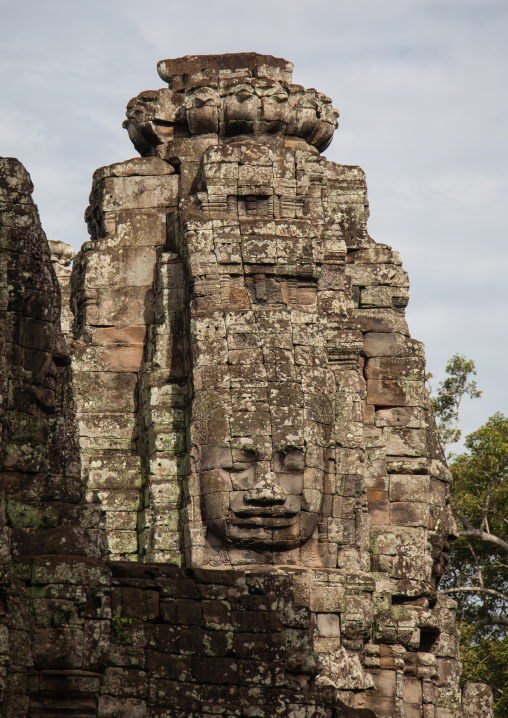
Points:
(227, 496)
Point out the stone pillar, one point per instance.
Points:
(114, 303)
(61, 257)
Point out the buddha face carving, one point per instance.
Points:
(262, 416)
(254, 500)
(202, 111)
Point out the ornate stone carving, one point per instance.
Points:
(246, 95)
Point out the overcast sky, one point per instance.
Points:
(422, 91)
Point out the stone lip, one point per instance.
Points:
(251, 61)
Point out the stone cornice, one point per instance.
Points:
(230, 96)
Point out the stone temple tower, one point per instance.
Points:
(260, 469)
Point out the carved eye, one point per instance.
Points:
(293, 461)
(237, 468)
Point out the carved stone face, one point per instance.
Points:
(262, 416)
(253, 500)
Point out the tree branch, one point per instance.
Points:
(455, 431)
(495, 620)
(484, 536)
(477, 589)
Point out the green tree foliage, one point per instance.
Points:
(485, 659)
(478, 573)
(447, 398)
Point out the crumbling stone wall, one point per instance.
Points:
(41, 483)
(258, 518)
(42, 513)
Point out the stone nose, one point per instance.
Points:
(265, 493)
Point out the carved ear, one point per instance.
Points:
(194, 458)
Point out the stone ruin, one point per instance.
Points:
(222, 489)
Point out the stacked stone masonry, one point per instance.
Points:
(222, 487)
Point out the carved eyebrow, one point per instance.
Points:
(248, 456)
